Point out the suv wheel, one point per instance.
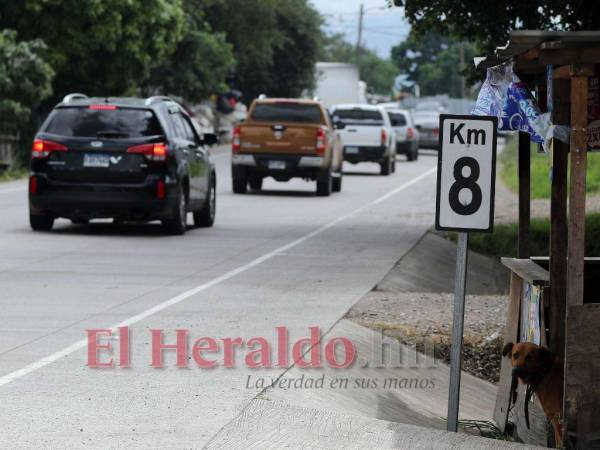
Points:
(41, 222)
(386, 166)
(256, 183)
(178, 223)
(336, 184)
(206, 216)
(324, 184)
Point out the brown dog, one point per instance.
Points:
(542, 372)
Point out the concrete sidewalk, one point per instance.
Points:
(274, 424)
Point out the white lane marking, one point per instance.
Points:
(215, 281)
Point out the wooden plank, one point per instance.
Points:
(558, 222)
(524, 173)
(528, 271)
(577, 195)
(511, 334)
(590, 55)
(575, 262)
(582, 369)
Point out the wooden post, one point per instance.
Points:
(558, 223)
(577, 194)
(575, 263)
(524, 195)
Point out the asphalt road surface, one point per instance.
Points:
(282, 257)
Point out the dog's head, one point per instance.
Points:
(528, 360)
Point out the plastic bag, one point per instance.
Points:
(506, 97)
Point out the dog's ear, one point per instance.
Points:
(507, 349)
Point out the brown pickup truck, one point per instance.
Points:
(286, 138)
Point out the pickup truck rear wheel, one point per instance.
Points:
(324, 184)
(239, 180)
(336, 183)
(386, 166)
(256, 183)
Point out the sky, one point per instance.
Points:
(383, 27)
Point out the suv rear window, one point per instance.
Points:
(359, 116)
(121, 122)
(397, 119)
(287, 112)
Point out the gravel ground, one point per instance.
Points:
(413, 318)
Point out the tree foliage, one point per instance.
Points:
(377, 72)
(99, 47)
(489, 22)
(275, 43)
(25, 80)
(200, 63)
(433, 62)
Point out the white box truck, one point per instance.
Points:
(338, 83)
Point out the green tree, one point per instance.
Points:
(294, 58)
(275, 43)
(377, 72)
(433, 62)
(98, 47)
(200, 63)
(489, 22)
(25, 80)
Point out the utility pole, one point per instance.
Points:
(361, 14)
(463, 84)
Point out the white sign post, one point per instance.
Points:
(465, 202)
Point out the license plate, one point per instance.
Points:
(352, 150)
(277, 165)
(95, 160)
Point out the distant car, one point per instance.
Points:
(286, 138)
(367, 135)
(122, 158)
(428, 124)
(407, 136)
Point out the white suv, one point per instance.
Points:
(407, 135)
(368, 135)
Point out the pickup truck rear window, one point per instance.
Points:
(287, 112)
(359, 116)
(98, 123)
(397, 119)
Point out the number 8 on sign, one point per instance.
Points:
(466, 173)
(462, 182)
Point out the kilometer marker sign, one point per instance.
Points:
(465, 202)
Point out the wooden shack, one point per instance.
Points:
(555, 298)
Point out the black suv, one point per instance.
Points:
(122, 158)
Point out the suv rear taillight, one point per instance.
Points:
(383, 136)
(436, 131)
(42, 148)
(321, 145)
(235, 139)
(153, 152)
(410, 134)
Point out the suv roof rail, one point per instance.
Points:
(157, 98)
(75, 96)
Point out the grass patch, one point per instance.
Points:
(503, 241)
(540, 170)
(13, 174)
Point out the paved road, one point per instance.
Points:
(283, 257)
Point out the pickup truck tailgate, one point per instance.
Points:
(280, 138)
(361, 135)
